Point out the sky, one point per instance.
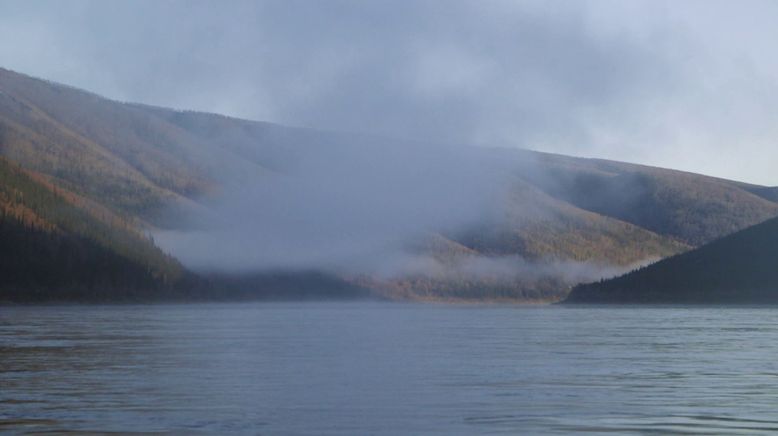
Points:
(691, 85)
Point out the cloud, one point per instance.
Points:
(352, 206)
(688, 85)
(647, 81)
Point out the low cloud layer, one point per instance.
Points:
(689, 85)
(352, 207)
(510, 269)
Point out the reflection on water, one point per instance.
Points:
(373, 368)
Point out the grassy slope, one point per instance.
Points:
(742, 267)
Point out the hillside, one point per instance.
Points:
(740, 268)
(56, 247)
(161, 169)
(689, 208)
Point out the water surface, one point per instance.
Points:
(381, 368)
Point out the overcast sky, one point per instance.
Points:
(681, 84)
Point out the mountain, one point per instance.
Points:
(55, 245)
(739, 268)
(565, 220)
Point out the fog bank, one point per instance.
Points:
(349, 207)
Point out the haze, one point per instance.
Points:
(687, 85)
(422, 93)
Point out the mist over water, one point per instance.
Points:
(508, 268)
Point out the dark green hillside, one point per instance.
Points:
(740, 268)
(50, 249)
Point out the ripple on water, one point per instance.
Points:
(370, 368)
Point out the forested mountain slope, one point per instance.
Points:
(690, 208)
(153, 166)
(55, 246)
(739, 268)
